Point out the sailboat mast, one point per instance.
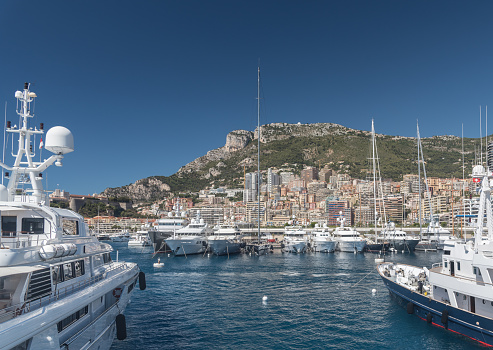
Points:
(258, 152)
(419, 178)
(374, 178)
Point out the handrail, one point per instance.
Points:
(48, 298)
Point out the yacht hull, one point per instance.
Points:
(158, 240)
(443, 315)
(407, 245)
(187, 246)
(295, 247)
(325, 247)
(224, 247)
(351, 246)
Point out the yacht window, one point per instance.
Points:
(97, 260)
(68, 271)
(446, 263)
(70, 227)
(9, 225)
(107, 258)
(446, 252)
(33, 225)
(56, 274)
(67, 321)
(458, 265)
(79, 268)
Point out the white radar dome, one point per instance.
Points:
(59, 140)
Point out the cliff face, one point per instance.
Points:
(147, 189)
(293, 145)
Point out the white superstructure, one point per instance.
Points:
(59, 287)
(322, 240)
(348, 240)
(296, 240)
(191, 239)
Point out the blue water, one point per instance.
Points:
(322, 301)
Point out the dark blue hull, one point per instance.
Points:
(443, 315)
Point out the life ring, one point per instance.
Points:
(117, 292)
(18, 311)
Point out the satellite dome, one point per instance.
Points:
(59, 140)
(4, 193)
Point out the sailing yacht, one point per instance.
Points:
(259, 247)
(59, 288)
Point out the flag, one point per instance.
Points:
(476, 179)
(41, 143)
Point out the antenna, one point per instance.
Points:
(4, 141)
(258, 149)
(480, 138)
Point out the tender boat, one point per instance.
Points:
(456, 293)
(140, 239)
(59, 288)
(296, 240)
(348, 240)
(191, 239)
(322, 240)
(226, 240)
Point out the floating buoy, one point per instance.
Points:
(169, 255)
(121, 327)
(373, 291)
(402, 252)
(142, 280)
(264, 298)
(159, 263)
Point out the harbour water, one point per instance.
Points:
(316, 301)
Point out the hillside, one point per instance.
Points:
(292, 146)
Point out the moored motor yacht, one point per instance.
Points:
(348, 240)
(227, 239)
(59, 288)
(296, 240)
(454, 294)
(191, 239)
(322, 240)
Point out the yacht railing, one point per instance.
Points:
(31, 305)
(21, 239)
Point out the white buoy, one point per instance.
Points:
(159, 263)
(264, 298)
(208, 255)
(373, 291)
(169, 255)
(402, 252)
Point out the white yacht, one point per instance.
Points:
(454, 294)
(191, 239)
(434, 236)
(166, 227)
(140, 239)
(348, 240)
(120, 237)
(59, 288)
(398, 239)
(296, 240)
(322, 240)
(227, 239)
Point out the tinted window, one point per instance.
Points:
(9, 225)
(33, 225)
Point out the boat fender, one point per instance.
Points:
(142, 280)
(121, 327)
(445, 316)
(429, 317)
(410, 308)
(117, 292)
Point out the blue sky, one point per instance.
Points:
(148, 86)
